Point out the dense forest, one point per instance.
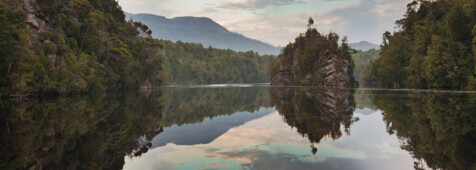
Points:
(434, 47)
(314, 59)
(191, 63)
(73, 47)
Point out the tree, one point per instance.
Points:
(310, 23)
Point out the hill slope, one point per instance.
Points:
(89, 47)
(201, 30)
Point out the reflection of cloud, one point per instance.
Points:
(259, 159)
(214, 165)
(282, 148)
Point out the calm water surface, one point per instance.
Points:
(242, 127)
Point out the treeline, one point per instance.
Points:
(362, 60)
(191, 63)
(434, 48)
(77, 46)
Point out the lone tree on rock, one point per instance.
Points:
(310, 22)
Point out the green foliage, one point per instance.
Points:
(190, 63)
(90, 47)
(434, 47)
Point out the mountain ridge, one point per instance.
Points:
(364, 45)
(201, 30)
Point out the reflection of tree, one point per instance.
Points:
(94, 132)
(363, 100)
(192, 105)
(316, 113)
(437, 128)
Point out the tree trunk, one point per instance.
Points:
(9, 67)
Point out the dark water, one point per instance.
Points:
(242, 127)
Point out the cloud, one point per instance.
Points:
(366, 20)
(254, 4)
(279, 21)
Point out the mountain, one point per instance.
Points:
(364, 46)
(200, 30)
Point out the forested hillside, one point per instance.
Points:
(191, 63)
(362, 60)
(77, 46)
(434, 48)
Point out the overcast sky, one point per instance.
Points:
(279, 21)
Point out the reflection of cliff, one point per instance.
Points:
(200, 115)
(94, 132)
(315, 113)
(193, 105)
(439, 129)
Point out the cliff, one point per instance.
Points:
(314, 60)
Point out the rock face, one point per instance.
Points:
(314, 60)
(35, 19)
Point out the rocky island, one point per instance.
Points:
(314, 60)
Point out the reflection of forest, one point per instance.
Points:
(316, 112)
(193, 105)
(97, 132)
(85, 132)
(439, 129)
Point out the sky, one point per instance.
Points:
(278, 22)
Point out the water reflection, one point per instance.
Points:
(200, 115)
(241, 127)
(438, 129)
(315, 112)
(86, 132)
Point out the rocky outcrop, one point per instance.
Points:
(314, 60)
(36, 20)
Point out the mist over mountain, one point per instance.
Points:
(201, 30)
(364, 46)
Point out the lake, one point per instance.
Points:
(242, 127)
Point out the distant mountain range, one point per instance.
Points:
(200, 30)
(364, 46)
